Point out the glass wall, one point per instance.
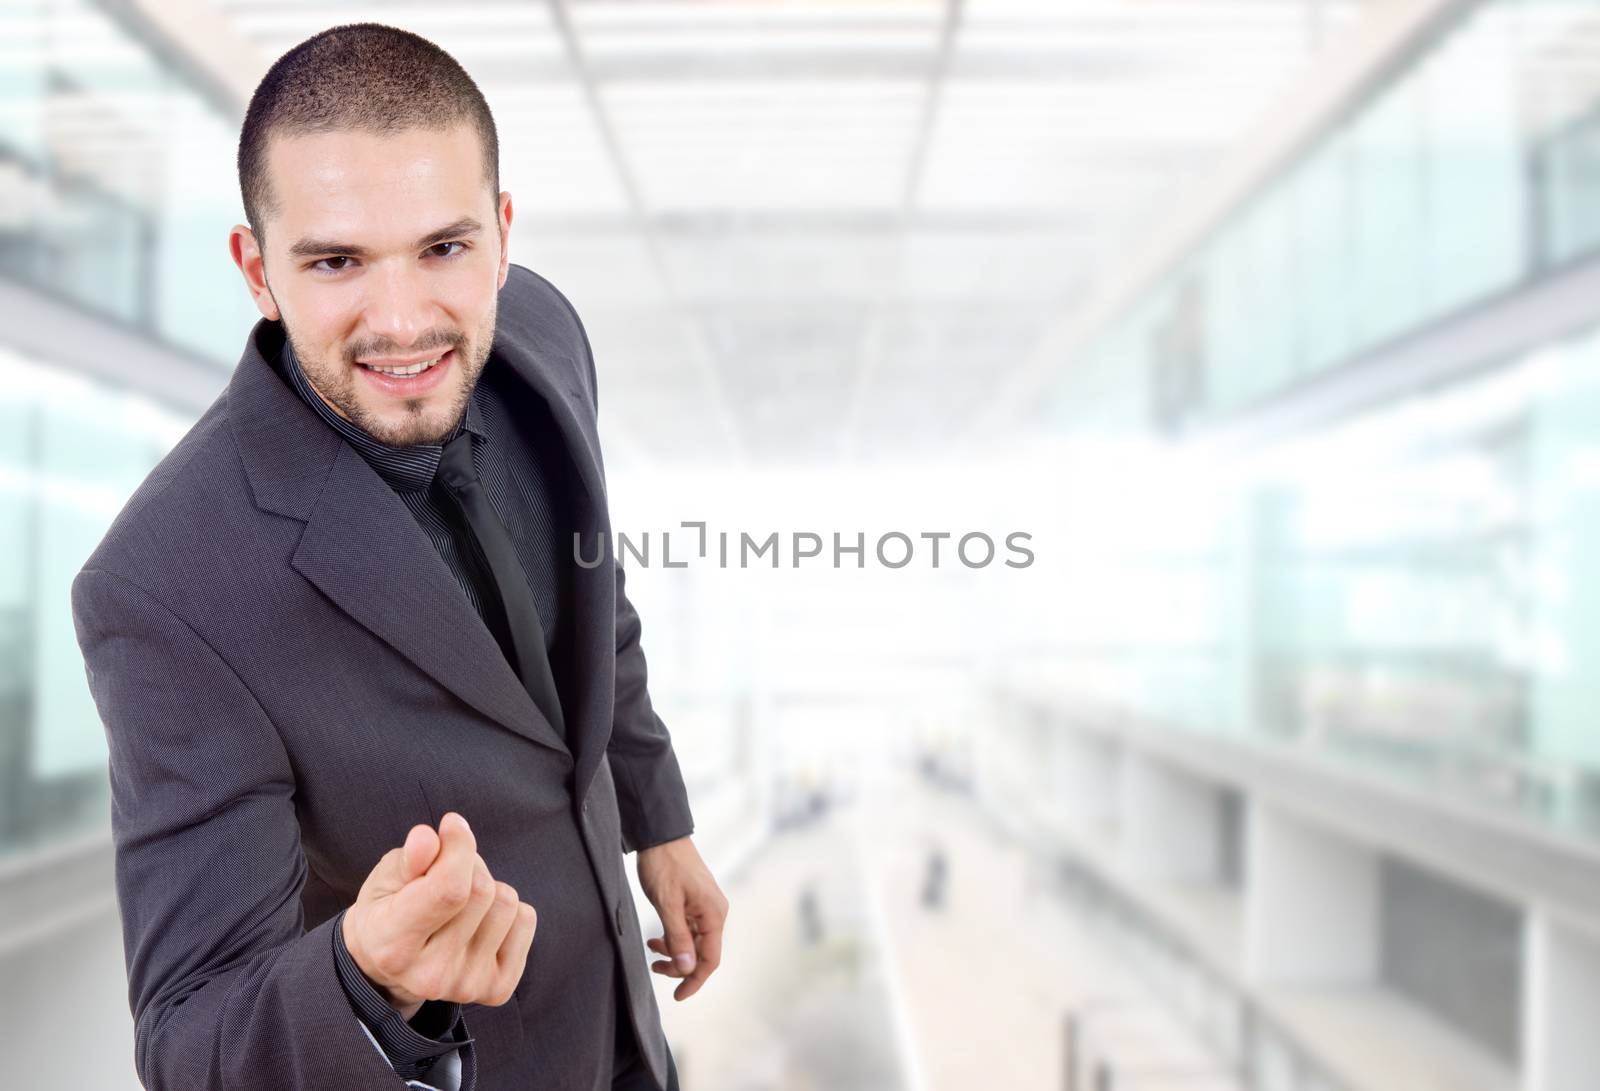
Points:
(113, 163)
(1410, 589)
(58, 494)
(117, 178)
(1466, 174)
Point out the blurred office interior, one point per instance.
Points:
(1273, 324)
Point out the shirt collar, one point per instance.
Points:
(410, 467)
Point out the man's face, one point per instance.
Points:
(382, 251)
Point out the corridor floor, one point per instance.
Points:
(850, 964)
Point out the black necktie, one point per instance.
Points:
(511, 613)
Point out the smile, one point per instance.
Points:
(406, 371)
(416, 379)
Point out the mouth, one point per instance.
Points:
(412, 379)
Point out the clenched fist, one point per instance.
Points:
(431, 923)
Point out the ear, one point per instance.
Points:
(505, 238)
(247, 256)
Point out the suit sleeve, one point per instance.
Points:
(227, 987)
(651, 798)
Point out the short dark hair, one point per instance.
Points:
(363, 76)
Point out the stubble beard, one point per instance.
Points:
(336, 384)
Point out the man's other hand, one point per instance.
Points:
(692, 910)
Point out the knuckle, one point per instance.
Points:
(455, 891)
(476, 984)
(498, 982)
(499, 990)
(483, 892)
(498, 924)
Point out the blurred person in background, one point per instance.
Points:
(378, 744)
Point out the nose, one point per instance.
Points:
(398, 307)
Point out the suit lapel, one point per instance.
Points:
(588, 684)
(362, 548)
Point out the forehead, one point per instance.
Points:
(378, 186)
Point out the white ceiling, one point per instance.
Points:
(812, 231)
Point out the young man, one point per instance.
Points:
(346, 609)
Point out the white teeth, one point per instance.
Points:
(410, 369)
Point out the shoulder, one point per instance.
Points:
(530, 294)
(534, 312)
(171, 517)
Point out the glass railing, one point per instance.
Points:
(1412, 591)
(1259, 1052)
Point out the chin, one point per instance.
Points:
(408, 429)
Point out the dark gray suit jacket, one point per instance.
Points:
(290, 678)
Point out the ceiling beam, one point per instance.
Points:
(198, 40)
(700, 352)
(873, 346)
(805, 223)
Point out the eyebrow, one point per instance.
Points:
(313, 248)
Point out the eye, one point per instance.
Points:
(440, 249)
(321, 264)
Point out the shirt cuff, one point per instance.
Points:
(412, 1047)
(446, 1075)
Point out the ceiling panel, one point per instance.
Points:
(821, 229)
